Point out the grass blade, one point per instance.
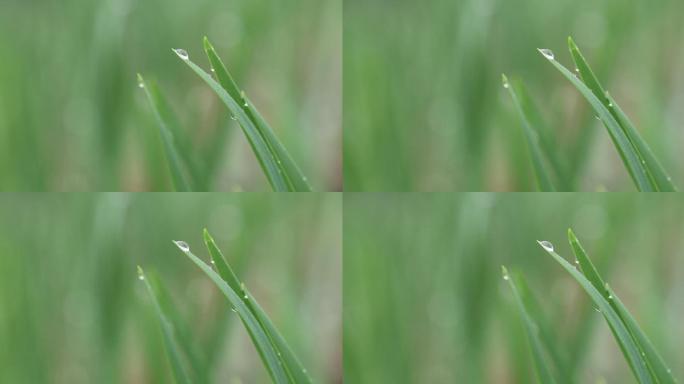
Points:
(297, 181)
(661, 373)
(630, 349)
(540, 354)
(659, 177)
(259, 336)
(630, 157)
(543, 176)
(168, 332)
(261, 150)
(289, 360)
(161, 112)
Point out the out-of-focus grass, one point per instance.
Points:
(424, 300)
(73, 311)
(424, 108)
(73, 118)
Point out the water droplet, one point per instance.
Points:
(610, 104)
(576, 261)
(610, 297)
(141, 274)
(182, 245)
(141, 277)
(245, 105)
(504, 80)
(245, 297)
(141, 85)
(504, 272)
(576, 69)
(212, 261)
(643, 162)
(546, 245)
(181, 53)
(212, 69)
(546, 52)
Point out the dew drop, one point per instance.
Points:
(504, 272)
(181, 53)
(245, 105)
(576, 69)
(504, 80)
(610, 297)
(212, 261)
(141, 277)
(546, 52)
(182, 245)
(576, 261)
(546, 245)
(212, 69)
(610, 104)
(141, 85)
(245, 297)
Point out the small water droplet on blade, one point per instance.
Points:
(504, 272)
(546, 245)
(547, 53)
(141, 277)
(212, 69)
(182, 245)
(576, 69)
(181, 53)
(610, 104)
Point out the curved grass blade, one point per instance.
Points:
(659, 177)
(294, 368)
(543, 367)
(168, 332)
(161, 112)
(294, 175)
(543, 176)
(630, 157)
(256, 141)
(661, 373)
(259, 336)
(630, 349)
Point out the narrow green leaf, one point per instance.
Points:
(629, 156)
(168, 332)
(259, 146)
(543, 176)
(289, 360)
(631, 350)
(659, 177)
(539, 353)
(661, 373)
(257, 333)
(159, 106)
(293, 174)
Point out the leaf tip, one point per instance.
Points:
(207, 44)
(504, 272)
(141, 273)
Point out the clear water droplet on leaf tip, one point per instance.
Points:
(546, 245)
(182, 245)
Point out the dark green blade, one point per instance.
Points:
(180, 181)
(661, 373)
(292, 172)
(543, 367)
(630, 349)
(258, 334)
(168, 332)
(543, 175)
(259, 146)
(295, 369)
(629, 156)
(659, 177)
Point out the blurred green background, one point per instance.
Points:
(424, 107)
(73, 119)
(425, 302)
(72, 309)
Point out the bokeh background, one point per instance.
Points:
(424, 107)
(72, 309)
(73, 119)
(425, 302)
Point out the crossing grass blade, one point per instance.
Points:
(240, 304)
(631, 350)
(293, 175)
(169, 333)
(261, 149)
(181, 180)
(660, 372)
(296, 372)
(541, 355)
(630, 157)
(539, 160)
(659, 177)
